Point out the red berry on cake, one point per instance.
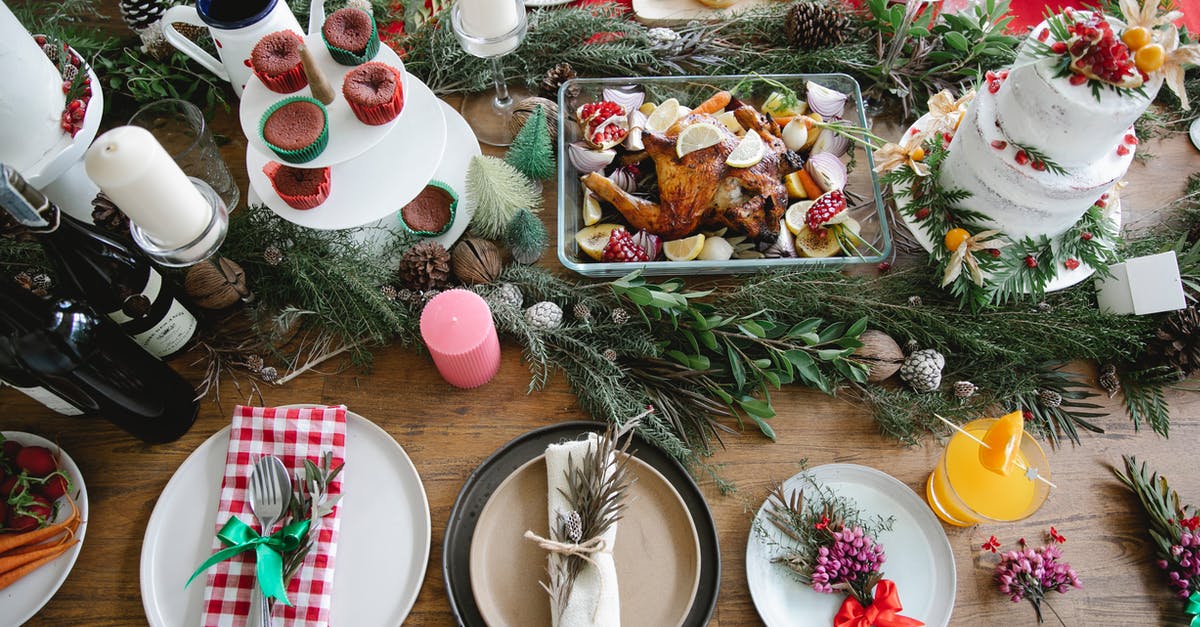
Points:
(1071, 264)
(1131, 139)
(1078, 79)
(994, 252)
(1030, 261)
(921, 213)
(1059, 47)
(1021, 157)
(1122, 150)
(884, 266)
(1086, 236)
(1040, 166)
(993, 86)
(1044, 34)
(999, 144)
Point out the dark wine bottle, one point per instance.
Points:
(109, 272)
(67, 347)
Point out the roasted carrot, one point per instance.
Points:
(12, 541)
(8, 563)
(714, 104)
(9, 578)
(782, 120)
(810, 186)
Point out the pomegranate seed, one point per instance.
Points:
(999, 145)
(989, 75)
(1077, 79)
(947, 137)
(921, 213)
(66, 86)
(1003, 74)
(1030, 262)
(1086, 236)
(884, 266)
(1059, 47)
(1131, 139)
(75, 104)
(40, 39)
(914, 131)
(1027, 415)
(1122, 150)
(77, 114)
(1071, 264)
(1040, 166)
(1021, 157)
(1043, 35)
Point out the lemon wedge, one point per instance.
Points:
(697, 137)
(591, 208)
(748, 152)
(593, 239)
(685, 249)
(729, 119)
(1002, 440)
(663, 116)
(794, 218)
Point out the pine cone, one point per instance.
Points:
(915, 301)
(554, 79)
(572, 526)
(923, 370)
(610, 355)
(108, 216)
(1050, 398)
(582, 313)
(812, 25)
(619, 316)
(1178, 341)
(273, 256)
(1109, 381)
(139, 14)
(509, 295)
(964, 389)
(544, 315)
(425, 266)
(389, 292)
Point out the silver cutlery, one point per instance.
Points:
(270, 492)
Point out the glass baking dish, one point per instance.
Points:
(866, 203)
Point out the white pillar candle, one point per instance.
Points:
(486, 19)
(134, 170)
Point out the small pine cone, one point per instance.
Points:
(911, 346)
(108, 216)
(428, 295)
(964, 389)
(1109, 381)
(915, 301)
(1044, 307)
(1050, 398)
(811, 25)
(268, 374)
(425, 266)
(923, 370)
(554, 79)
(69, 72)
(610, 355)
(272, 255)
(620, 316)
(139, 14)
(254, 363)
(582, 313)
(572, 526)
(408, 296)
(510, 295)
(389, 292)
(51, 50)
(34, 281)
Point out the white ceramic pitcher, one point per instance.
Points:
(236, 26)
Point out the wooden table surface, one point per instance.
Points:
(448, 432)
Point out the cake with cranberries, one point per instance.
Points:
(31, 101)
(1044, 140)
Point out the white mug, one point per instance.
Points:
(236, 26)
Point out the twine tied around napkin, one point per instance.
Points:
(582, 550)
(268, 551)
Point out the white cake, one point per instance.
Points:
(1086, 136)
(31, 97)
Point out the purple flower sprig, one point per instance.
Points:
(1032, 573)
(1183, 569)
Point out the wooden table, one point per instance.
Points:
(448, 432)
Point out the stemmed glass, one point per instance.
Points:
(490, 29)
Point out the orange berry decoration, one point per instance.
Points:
(955, 238)
(917, 154)
(1149, 58)
(1136, 38)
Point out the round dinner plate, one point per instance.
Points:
(20, 601)
(463, 524)
(919, 558)
(657, 552)
(382, 551)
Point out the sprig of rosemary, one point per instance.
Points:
(311, 501)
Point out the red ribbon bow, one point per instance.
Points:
(884, 612)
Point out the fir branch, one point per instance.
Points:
(1145, 398)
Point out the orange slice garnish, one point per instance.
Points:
(1002, 440)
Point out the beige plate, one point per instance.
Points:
(657, 552)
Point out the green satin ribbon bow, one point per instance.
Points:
(1193, 608)
(268, 552)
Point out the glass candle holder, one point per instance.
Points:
(490, 29)
(183, 132)
(204, 246)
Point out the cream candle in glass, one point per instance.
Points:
(488, 19)
(137, 174)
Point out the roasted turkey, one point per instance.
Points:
(699, 190)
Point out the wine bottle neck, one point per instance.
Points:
(28, 206)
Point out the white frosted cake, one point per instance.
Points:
(31, 97)
(1083, 132)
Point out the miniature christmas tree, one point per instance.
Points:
(498, 191)
(531, 152)
(526, 237)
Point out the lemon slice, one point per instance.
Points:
(663, 116)
(591, 208)
(685, 249)
(729, 119)
(794, 218)
(697, 137)
(593, 239)
(1002, 440)
(749, 152)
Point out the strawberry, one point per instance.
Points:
(824, 208)
(38, 461)
(31, 515)
(56, 485)
(621, 247)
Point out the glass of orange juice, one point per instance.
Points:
(962, 491)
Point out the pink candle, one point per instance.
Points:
(458, 330)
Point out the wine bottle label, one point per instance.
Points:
(171, 327)
(51, 400)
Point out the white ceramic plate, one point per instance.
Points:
(20, 601)
(382, 552)
(430, 143)
(919, 558)
(545, 3)
(348, 137)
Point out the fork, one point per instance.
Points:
(270, 492)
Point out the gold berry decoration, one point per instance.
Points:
(1136, 38)
(1149, 58)
(917, 154)
(955, 238)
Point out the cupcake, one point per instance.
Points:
(350, 36)
(431, 212)
(296, 129)
(276, 62)
(374, 93)
(300, 188)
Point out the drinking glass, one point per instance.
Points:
(962, 492)
(490, 29)
(181, 129)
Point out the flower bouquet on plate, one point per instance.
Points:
(832, 546)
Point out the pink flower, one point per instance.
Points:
(1031, 573)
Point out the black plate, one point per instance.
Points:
(456, 552)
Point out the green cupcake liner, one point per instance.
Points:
(449, 222)
(309, 152)
(345, 57)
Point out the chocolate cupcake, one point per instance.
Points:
(431, 212)
(296, 129)
(276, 62)
(300, 188)
(350, 36)
(374, 92)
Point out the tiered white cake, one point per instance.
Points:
(31, 101)
(1091, 139)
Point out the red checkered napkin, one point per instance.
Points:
(292, 435)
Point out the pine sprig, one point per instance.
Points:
(1163, 507)
(1145, 397)
(1036, 156)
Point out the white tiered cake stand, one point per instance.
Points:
(374, 170)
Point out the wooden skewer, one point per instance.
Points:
(1018, 463)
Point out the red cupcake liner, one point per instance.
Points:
(380, 114)
(290, 81)
(306, 201)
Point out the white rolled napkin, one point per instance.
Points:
(594, 599)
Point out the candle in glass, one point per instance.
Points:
(487, 19)
(137, 174)
(458, 330)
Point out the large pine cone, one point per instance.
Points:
(812, 25)
(425, 266)
(139, 14)
(1178, 341)
(554, 78)
(108, 216)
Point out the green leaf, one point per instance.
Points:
(763, 363)
(857, 328)
(803, 327)
(957, 41)
(756, 407)
(806, 367)
(830, 354)
(708, 339)
(751, 328)
(735, 367)
(639, 296)
(833, 332)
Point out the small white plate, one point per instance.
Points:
(1194, 133)
(382, 552)
(919, 558)
(20, 601)
(348, 137)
